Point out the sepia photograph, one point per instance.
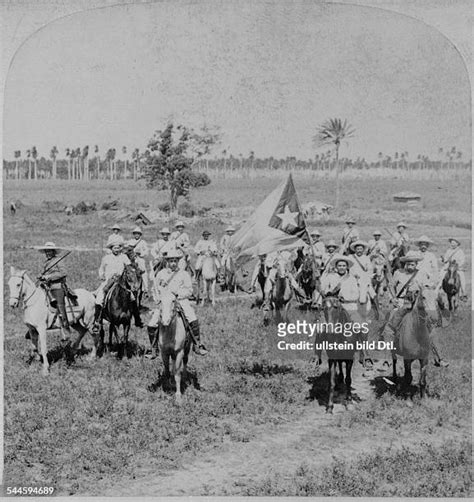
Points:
(237, 248)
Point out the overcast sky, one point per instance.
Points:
(267, 74)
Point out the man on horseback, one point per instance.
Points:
(377, 246)
(206, 246)
(362, 270)
(319, 248)
(224, 246)
(160, 248)
(53, 280)
(455, 254)
(139, 263)
(115, 236)
(111, 267)
(428, 263)
(331, 248)
(350, 235)
(407, 283)
(182, 242)
(140, 245)
(179, 283)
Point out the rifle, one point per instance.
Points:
(56, 262)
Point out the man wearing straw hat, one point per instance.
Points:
(206, 246)
(111, 266)
(319, 248)
(139, 244)
(377, 246)
(407, 282)
(224, 246)
(182, 242)
(331, 248)
(178, 282)
(400, 237)
(114, 236)
(362, 270)
(350, 235)
(162, 246)
(428, 263)
(53, 278)
(455, 254)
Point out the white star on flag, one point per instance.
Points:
(288, 218)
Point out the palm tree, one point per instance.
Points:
(77, 155)
(17, 169)
(68, 155)
(333, 132)
(53, 154)
(136, 164)
(34, 154)
(97, 157)
(124, 151)
(85, 162)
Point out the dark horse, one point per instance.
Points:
(413, 341)
(451, 285)
(308, 278)
(120, 303)
(335, 314)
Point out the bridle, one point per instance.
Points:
(20, 291)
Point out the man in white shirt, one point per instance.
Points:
(455, 254)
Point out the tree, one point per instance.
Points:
(170, 156)
(68, 155)
(17, 157)
(333, 132)
(125, 171)
(34, 154)
(136, 163)
(53, 154)
(97, 156)
(85, 162)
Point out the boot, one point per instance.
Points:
(97, 317)
(153, 337)
(136, 316)
(198, 347)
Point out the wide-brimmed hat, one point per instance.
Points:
(402, 224)
(423, 238)
(49, 246)
(332, 243)
(115, 241)
(137, 230)
(341, 257)
(359, 243)
(174, 253)
(230, 228)
(411, 256)
(377, 232)
(206, 232)
(455, 240)
(350, 219)
(165, 230)
(315, 231)
(116, 227)
(179, 223)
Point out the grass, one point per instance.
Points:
(426, 472)
(94, 423)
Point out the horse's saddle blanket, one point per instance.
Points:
(73, 313)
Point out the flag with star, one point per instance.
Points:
(277, 223)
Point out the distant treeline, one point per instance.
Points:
(86, 168)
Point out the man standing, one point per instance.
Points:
(362, 270)
(350, 235)
(224, 245)
(53, 278)
(178, 282)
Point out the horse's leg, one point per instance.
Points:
(348, 381)
(394, 366)
(213, 292)
(34, 345)
(43, 347)
(178, 371)
(340, 373)
(408, 377)
(332, 385)
(423, 364)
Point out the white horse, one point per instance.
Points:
(39, 316)
(173, 343)
(207, 278)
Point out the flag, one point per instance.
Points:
(277, 223)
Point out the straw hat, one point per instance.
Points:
(137, 230)
(315, 231)
(230, 228)
(402, 224)
(115, 241)
(455, 240)
(359, 243)
(49, 246)
(174, 253)
(341, 257)
(165, 230)
(116, 227)
(423, 238)
(350, 220)
(332, 243)
(206, 232)
(179, 223)
(377, 232)
(411, 256)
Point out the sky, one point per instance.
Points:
(267, 74)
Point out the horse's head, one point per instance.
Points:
(16, 286)
(168, 303)
(132, 277)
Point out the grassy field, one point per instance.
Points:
(253, 415)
